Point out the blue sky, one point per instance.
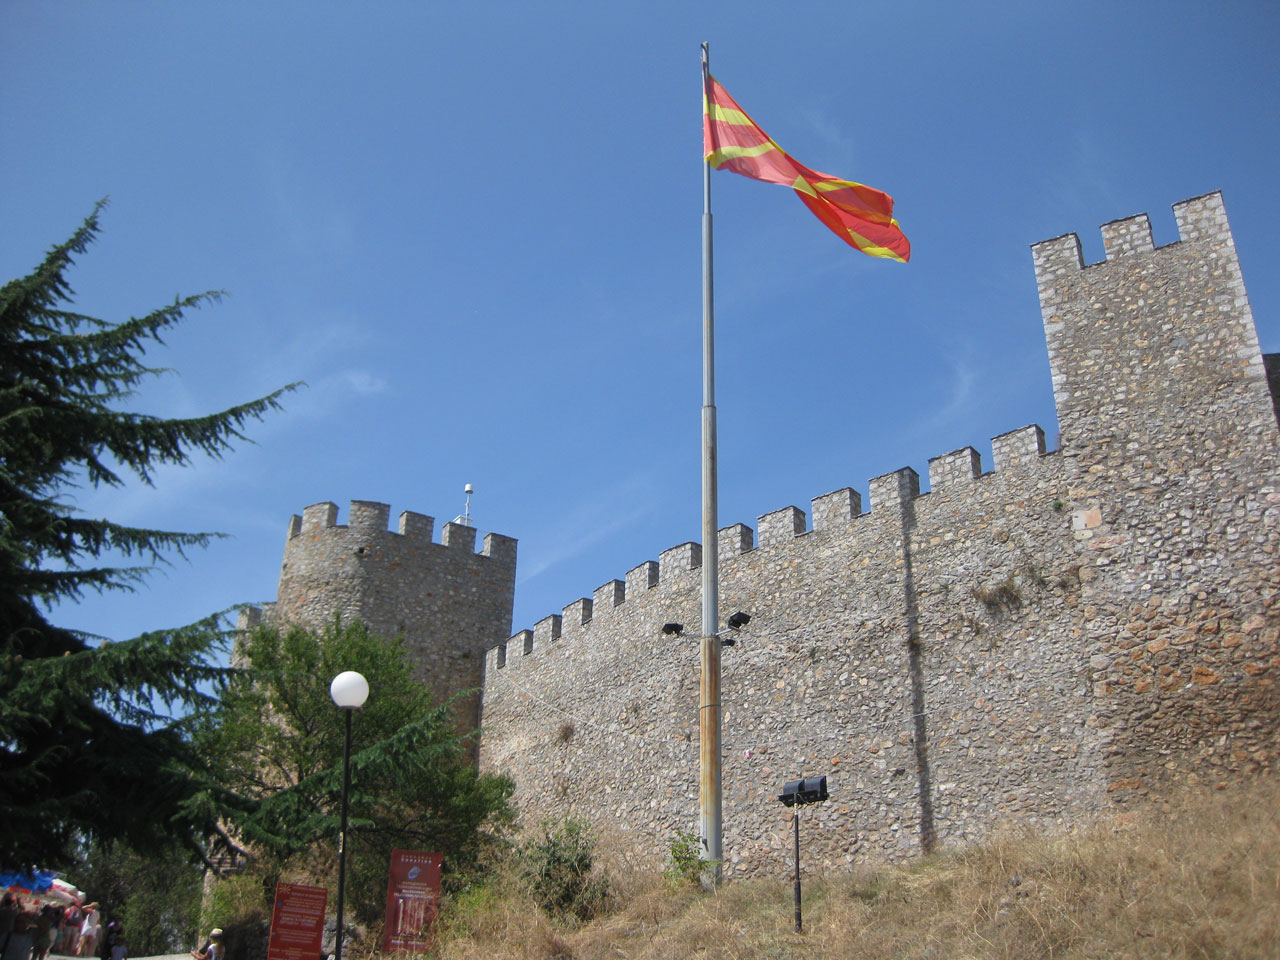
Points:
(474, 231)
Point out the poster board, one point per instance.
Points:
(413, 900)
(297, 922)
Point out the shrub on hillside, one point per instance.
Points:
(559, 869)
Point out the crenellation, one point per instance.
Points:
(579, 612)
(735, 540)
(545, 631)
(780, 526)
(1127, 237)
(609, 595)
(1017, 448)
(459, 536)
(1203, 217)
(641, 578)
(893, 491)
(1056, 258)
(248, 617)
(833, 511)
(368, 516)
(319, 516)
(295, 527)
(1060, 637)
(679, 559)
(416, 526)
(956, 469)
(521, 643)
(499, 549)
(449, 604)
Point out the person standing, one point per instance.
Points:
(18, 946)
(214, 949)
(69, 934)
(89, 930)
(8, 914)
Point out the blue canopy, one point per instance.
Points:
(37, 882)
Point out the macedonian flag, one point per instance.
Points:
(860, 215)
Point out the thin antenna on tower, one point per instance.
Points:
(465, 518)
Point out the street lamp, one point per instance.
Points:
(349, 691)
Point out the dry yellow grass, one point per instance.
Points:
(1195, 878)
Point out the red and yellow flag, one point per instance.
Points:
(860, 215)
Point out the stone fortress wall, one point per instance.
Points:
(1070, 630)
(446, 600)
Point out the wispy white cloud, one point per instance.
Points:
(592, 521)
(958, 402)
(363, 383)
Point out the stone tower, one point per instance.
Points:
(1172, 457)
(448, 601)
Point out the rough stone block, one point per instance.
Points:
(956, 469)
(319, 515)
(893, 491)
(418, 526)
(1017, 447)
(1123, 238)
(545, 631)
(780, 526)
(368, 516)
(641, 578)
(832, 511)
(611, 594)
(735, 540)
(578, 612)
(679, 559)
(459, 536)
(499, 548)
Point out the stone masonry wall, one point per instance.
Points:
(1066, 631)
(907, 653)
(1070, 630)
(448, 601)
(1172, 453)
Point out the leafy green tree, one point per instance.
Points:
(157, 896)
(88, 743)
(278, 736)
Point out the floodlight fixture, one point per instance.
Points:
(739, 620)
(801, 792)
(673, 629)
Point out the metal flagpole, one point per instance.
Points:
(709, 794)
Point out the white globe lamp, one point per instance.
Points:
(349, 690)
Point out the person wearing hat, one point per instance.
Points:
(213, 949)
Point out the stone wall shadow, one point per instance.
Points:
(915, 673)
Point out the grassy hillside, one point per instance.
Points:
(1198, 877)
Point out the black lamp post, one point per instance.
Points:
(349, 691)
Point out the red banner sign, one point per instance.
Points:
(413, 901)
(297, 922)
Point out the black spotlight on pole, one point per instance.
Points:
(673, 629)
(797, 793)
(736, 621)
